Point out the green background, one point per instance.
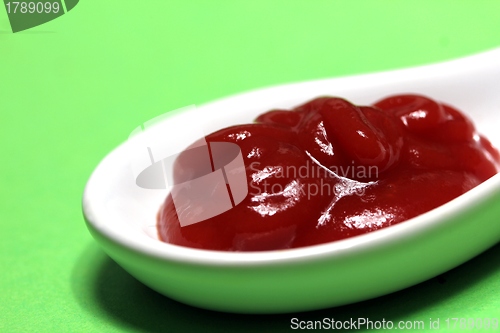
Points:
(73, 89)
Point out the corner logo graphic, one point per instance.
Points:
(205, 180)
(28, 14)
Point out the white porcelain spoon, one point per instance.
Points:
(121, 216)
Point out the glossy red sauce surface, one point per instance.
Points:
(329, 170)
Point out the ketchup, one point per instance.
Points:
(328, 170)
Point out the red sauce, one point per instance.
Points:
(329, 170)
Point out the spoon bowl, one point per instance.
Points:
(121, 216)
